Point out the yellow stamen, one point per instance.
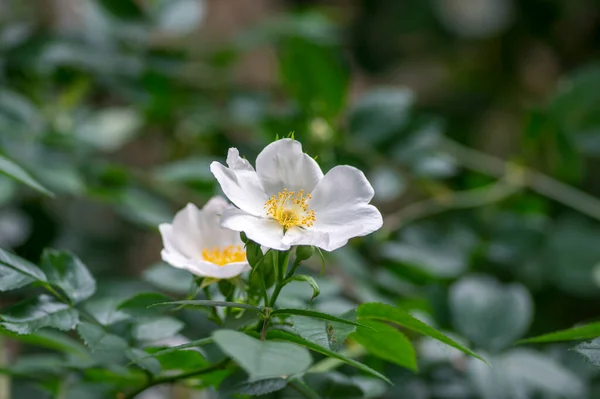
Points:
(224, 256)
(290, 209)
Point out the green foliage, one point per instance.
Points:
(578, 333)
(14, 171)
(66, 272)
(35, 313)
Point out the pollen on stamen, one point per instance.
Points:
(224, 256)
(290, 209)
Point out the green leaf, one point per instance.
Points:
(311, 281)
(192, 344)
(169, 278)
(157, 328)
(100, 340)
(11, 279)
(67, 272)
(315, 315)
(14, 171)
(51, 340)
(22, 266)
(386, 342)
(202, 302)
(334, 385)
(491, 315)
(35, 313)
(138, 305)
(286, 336)
(124, 9)
(314, 75)
(104, 310)
(590, 350)
(182, 359)
(263, 359)
(329, 335)
(381, 311)
(579, 333)
(142, 359)
(262, 387)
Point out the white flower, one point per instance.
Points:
(197, 243)
(287, 200)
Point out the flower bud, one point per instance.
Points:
(304, 252)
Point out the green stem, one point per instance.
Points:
(173, 378)
(294, 267)
(215, 314)
(263, 333)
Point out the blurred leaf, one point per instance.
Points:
(182, 359)
(100, 340)
(521, 372)
(180, 16)
(329, 335)
(139, 304)
(157, 328)
(489, 314)
(263, 359)
(570, 254)
(286, 336)
(380, 114)
(67, 272)
(442, 251)
(590, 350)
(142, 359)
(578, 333)
(334, 385)
(35, 313)
(314, 75)
(104, 310)
(315, 315)
(169, 278)
(386, 342)
(261, 387)
(143, 207)
(38, 364)
(14, 171)
(11, 279)
(311, 281)
(383, 312)
(110, 129)
(22, 266)
(51, 340)
(203, 302)
(186, 170)
(125, 9)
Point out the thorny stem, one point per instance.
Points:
(173, 378)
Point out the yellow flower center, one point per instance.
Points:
(290, 209)
(224, 256)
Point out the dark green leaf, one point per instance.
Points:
(100, 340)
(334, 386)
(329, 335)
(315, 315)
(104, 310)
(124, 9)
(182, 359)
(22, 266)
(579, 333)
(286, 336)
(263, 359)
(51, 340)
(142, 359)
(68, 273)
(32, 314)
(262, 387)
(11, 279)
(311, 281)
(381, 311)
(14, 171)
(139, 304)
(192, 344)
(202, 302)
(386, 342)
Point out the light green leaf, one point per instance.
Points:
(315, 315)
(286, 336)
(22, 266)
(386, 342)
(192, 344)
(35, 313)
(202, 302)
(68, 273)
(579, 333)
(169, 278)
(329, 335)
(311, 281)
(50, 339)
(11, 279)
(157, 328)
(491, 315)
(590, 350)
(381, 311)
(104, 310)
(142, 359)
(263, 359)
(17, 173)
(182, 359)
(138, 305)
(100, 340)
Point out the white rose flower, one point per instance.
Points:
(197, 243)
(287, 200)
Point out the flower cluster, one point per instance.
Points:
(286, 201)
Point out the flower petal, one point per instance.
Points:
(299, 236)
(240, 183)
(340, 202)
(264, 231)
(282, 164)
(203, 268)
(188, 227)
(213, 234)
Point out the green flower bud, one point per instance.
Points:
(304, 252)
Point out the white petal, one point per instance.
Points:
(282, 164)
(240, 183)
(205, 269)
(188, 227)
(340, 202)
(264, 231)
(299, 236)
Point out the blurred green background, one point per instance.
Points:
(476, 121)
